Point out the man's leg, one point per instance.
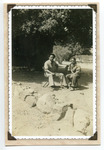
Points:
(62, 79)
(68, 79)
(51, 81)
(74, 81)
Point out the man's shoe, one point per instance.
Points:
(72, 89)
(53, 86)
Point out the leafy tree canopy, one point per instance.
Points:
(62, 25)
(36, 32)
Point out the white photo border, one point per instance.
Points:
(10, 70)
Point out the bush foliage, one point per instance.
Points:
(66, 52)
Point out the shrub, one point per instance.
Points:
(66, 52)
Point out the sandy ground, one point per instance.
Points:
(71, 114)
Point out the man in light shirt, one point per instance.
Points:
(51, 70)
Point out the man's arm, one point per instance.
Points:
(46, 69)
(69, 68)
(77, 70)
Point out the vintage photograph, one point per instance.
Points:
(52, 72)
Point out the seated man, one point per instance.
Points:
(74, 74)
(50, 68)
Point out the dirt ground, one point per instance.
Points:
(36, 113)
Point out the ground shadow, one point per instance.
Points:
(38, 77)
(29, 76)
(81, 87)
(56, 88)
(86, 77)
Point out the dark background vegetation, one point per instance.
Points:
(38, 32)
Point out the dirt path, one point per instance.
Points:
(28, 120)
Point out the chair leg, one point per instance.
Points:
(46, 84)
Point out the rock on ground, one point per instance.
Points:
(82, 121)
(46, 103)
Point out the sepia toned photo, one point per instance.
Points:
(52, 72)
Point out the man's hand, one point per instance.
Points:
(53, 73)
